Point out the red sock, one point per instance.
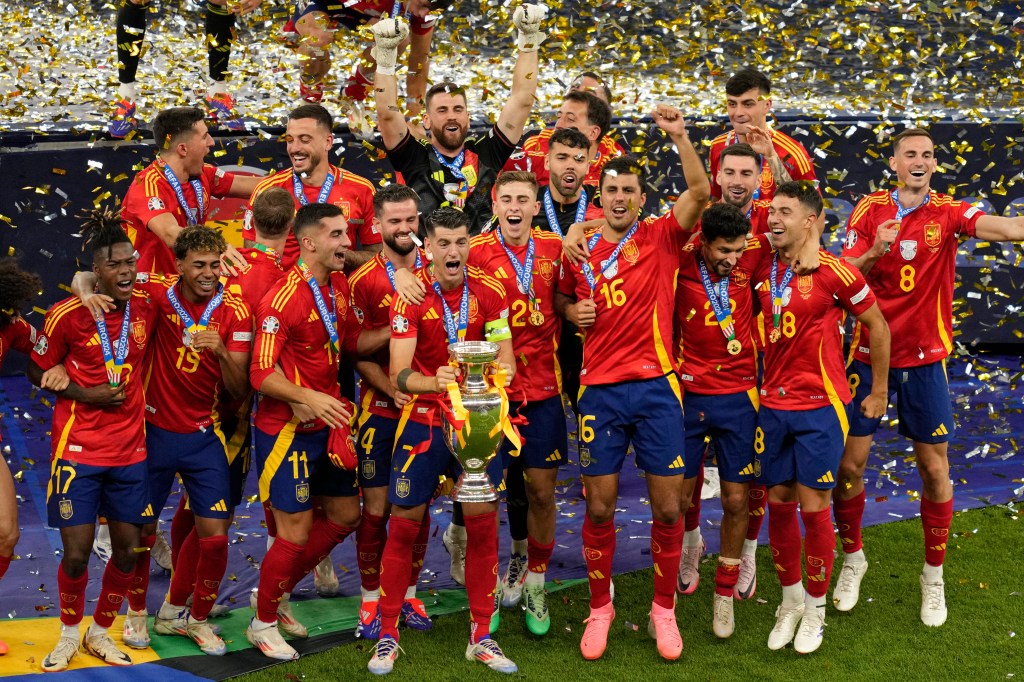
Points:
(394, 572)
(183, 578)
(726, 577)
(213, 561)
(784, 538)
(598, 550)
(848, 517)
(268, 513)
(693, 513)
(115, 584)
(481, 570)
(275, 573)
(819, 550)
(139, 583)
(419, 549)
(72, 596)
(323, 537)
(357, 86)
(757, 498)
(936, 517)
(5, 561)
(538, 555)
(371, 535)
(181, 525)
(666, 546)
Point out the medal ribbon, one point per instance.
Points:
(269, 251)
(901, 210)
(114, 360)
(777, 290)
(588, 271)
(398, 8)
(456, 330)
(549, 209)
(204, 320)
(719, 300)
(524, 272)
(390, 269)
(454, 166)
(194, 216)
(330, 319)
(325, 189)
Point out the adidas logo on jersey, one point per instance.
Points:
(827, 478)
(677, 463)
(431, 314)
(941, 431)
(219, 507)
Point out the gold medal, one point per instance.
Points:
(536, 318)
(775, 336)
(734, 347)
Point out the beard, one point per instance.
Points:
(400, 249)
(449, 140)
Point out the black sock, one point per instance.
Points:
(131, 31)
(457, 517)
(516, 502)
(220, 34)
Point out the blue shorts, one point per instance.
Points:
(923, 407)
(375, 443)
(78, 493)
(200, 459)
(545, 435)
(294, 467)
(726, 421)
(238, 433)
(414, 478)
(647, 413)
(799, 445)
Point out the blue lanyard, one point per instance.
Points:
(113, 362)
(549, 209)
(777, 290)
(329, 319)
(390, 269)
(325, 189)
(398, 8)
(190, 325)
(193, 216)
(757, 192)
(719, 300)
(455, 332)
(588, 272)
(524, 272)
(455, 167)
(901, 210)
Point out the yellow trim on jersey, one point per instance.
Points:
(282, 444)
(833, 397)
(946, 343)
(402, 421)
(854, 342)
(795, 149)
(364, 408)
(866, 203)
(286, 292)
(59, 311)
(755, 399)
(63, 440)
(659, 344)
(677, 389)
(837, 266)
(49, 482)
(235, 445)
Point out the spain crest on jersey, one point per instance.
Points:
(932, 234)
(546, 269)
(67, 510)
(804, 284)
(346, 208)
(369, 468)
(139, 331)
(302, 492)
(740, 278)
(631, 252)
(474, 307)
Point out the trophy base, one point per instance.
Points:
(474, 487)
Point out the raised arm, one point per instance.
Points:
(512, 121)
(690, 203)
(388, 35)
(995, 228)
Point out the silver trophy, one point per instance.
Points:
(476, 443)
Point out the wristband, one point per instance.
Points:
(403, 379)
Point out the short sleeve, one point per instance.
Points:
(964, 218)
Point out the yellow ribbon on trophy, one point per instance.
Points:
(461, 414)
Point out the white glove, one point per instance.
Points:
(527, 19)
(388, 34)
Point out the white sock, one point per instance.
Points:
(410, 592)
(519, 547)
(169, 610)
(257, 624)
(692, 538)
(128, 91)
(534, 578)
(750, 547)
(70, 631)
(217, 88)
(456, 532)
(95, 630)
(793, 594)
(370, 595)
(814, 602)
(857, 558)
(285, 597)
(932, 574)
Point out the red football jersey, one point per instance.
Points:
(371, 302)
(632, 336)
(150, 195)
(379, 8)
(81, 432)
(914, 281)
(350, 192)
(794, 157)
(290, 334)
(538, 375)
(19, 335)
(263, 269)
(708, 367)
(804, 369)
(759, 217)
(530, 157)
(184, 389)
(425, 323)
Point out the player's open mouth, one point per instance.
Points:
(124, 285)
(452, 267)
(619, 211)
(514, 219)
(404, 238)
(451, 128)
(569, 179)
(737, 192)
(339, 255)
(207, 286)
(917, 173)
(299, 158)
